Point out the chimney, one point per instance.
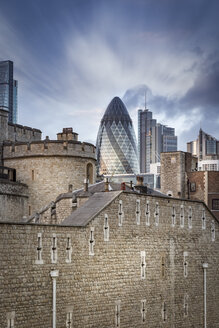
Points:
(123, 186)
(106, 184)
(139, 180)
(85, 185)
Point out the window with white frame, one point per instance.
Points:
(185, 264)
(181, 216)
(147, 213)
(186, 305)
(156, 214)
(138, 212)
(69, 317)
(91, 241)
(203, 219)
(39, 259)
(173, 216)
(54, 253)
(212, 231)
(117, 314)
(164, 311)
(10, 319)
(120, 213)
(143, 311)
(106, 228)
(190, 217)
(68, 249)
(143, 265)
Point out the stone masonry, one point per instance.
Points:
(49, 167)
(123, 260)
(13, 200)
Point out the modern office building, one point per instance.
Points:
(153, 138)
(116, 141)
(8, 90)
(205, 147)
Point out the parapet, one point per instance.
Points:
(49, 148)
(67, 134)
(20, 133)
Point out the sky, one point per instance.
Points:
(71, 57)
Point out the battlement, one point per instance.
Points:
(20, 133)
(48, 148)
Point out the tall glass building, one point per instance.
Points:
(8, 90)
(116, 141)
(153, 138)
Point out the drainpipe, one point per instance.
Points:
(205, 266)
(54, 274)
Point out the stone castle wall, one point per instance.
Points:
(13, 201)
(50, 167)
(16, 132)
(173, 174)
(20, 133)
(98, 290)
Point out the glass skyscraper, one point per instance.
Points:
(116, 141)
(153, 138)
(8, 90)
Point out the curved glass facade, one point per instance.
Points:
(116, 141)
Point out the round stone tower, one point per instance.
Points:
(51, 167)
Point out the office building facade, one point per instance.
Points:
(8, 90)
(205, 147)
(116, 142)
(153, 138)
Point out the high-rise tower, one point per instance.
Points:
(116, 141)
(8, 90)
(153, 138)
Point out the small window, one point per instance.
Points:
(69, 321)
(164, 311)
(147, 213)
(181, 216)
(120, 213)
(212, 231)
(138, 212)
(192, 186)
(186, 305)
(68, 250)
(143, 311)
(106, 228)
(117, 314)
(39, 259)
(54, 249)
(185, 264)
(215, 204)
(33, 175)
(10, 319)
(190, 217)
(143, 265)
(173, 216)
(156, 214)
(91, 242)
(163, 266)
(203, 219)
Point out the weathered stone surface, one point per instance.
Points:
(49, 167)
(13, 200)
(91, 285)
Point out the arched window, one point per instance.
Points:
(90, 173)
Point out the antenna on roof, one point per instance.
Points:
(145, 99)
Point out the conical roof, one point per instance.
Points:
(116, 111)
